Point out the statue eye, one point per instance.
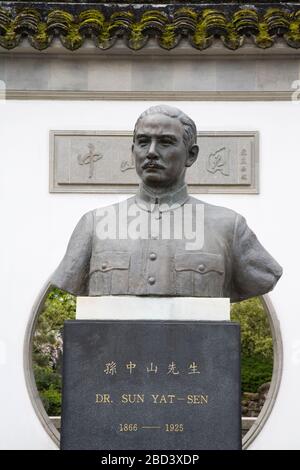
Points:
(142, 142)
(166, 142)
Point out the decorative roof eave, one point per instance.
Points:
(200, 24)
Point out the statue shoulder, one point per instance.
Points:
(112, 207)
(217, 214)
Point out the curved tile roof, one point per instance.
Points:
(134, 24)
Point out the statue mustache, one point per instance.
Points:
(152, 164)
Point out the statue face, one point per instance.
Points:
(161, 156)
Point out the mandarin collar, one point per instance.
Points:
(148, 200)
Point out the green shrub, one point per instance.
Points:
(255, 372)
(51, 399)
(46, 377)
(256, 343)
(47, 347)
(256, 337)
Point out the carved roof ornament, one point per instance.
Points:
(169, 23)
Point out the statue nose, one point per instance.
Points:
(152, 153)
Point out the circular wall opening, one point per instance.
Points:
(262, 357)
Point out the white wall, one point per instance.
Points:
(36, 225)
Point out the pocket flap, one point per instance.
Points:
(108, 260)
(199, 262)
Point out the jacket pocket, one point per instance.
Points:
(109, 273)
(199, 274)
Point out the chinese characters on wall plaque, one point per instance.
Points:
(97, 162)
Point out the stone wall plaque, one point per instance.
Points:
(101, 162)
(151, 385)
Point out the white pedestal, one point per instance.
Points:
(152, 308)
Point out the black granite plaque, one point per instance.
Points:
(151, 385)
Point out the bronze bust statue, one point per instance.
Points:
(163, 242)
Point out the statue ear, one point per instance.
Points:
(192, 155)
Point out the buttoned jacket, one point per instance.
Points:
(143, 246)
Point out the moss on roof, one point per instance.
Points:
(201, 25)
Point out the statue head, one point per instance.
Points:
(164, 145)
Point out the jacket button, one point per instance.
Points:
(153, 256)
(201, 268)
(104, 266)
(151, 280)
